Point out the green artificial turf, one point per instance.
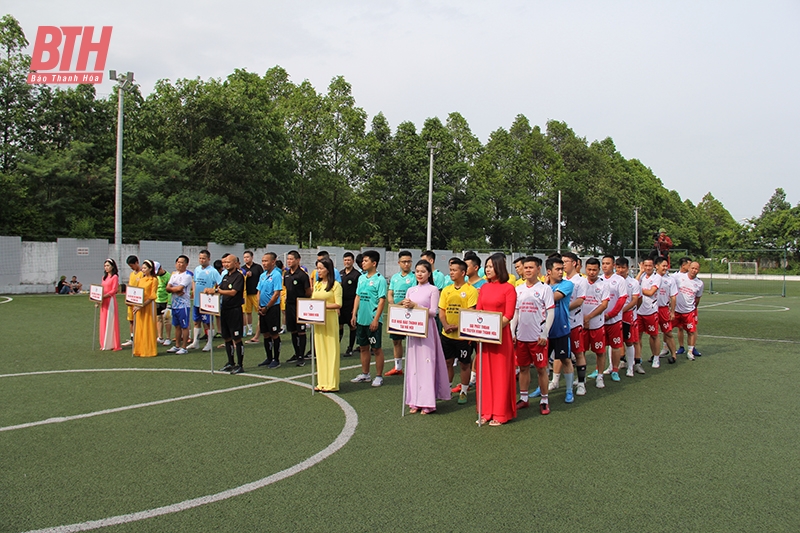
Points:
(708, 445)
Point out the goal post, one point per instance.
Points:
(750, 272)
(742, 269)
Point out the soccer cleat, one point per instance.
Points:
(398, 372)
(462, 398)
(348, 353)
(237, 370)
(664, 351)
(204, 336)
(623, 364)
(681, 350)
(615, 376)
(300, 362)
(166, 342)
(361, 378)
(378, 381)
(193, 345)
(536, 393)
(293, 359)
(599, 383)
(639, 368)
(227, 368)
(522, 404)
(265, 362)
(671, 360)
(544, 408)
(553, 385)
(274, 364)
(581, 389)
(569, 398)
(173, 349)
(656, 362)
(207, 348)
(696, 353)
(593, 375)
(607, 371)
(181, 351)
(629, 373)
(454, 390)
(127, 343)
(159, 340)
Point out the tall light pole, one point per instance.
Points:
(125, 83)
(636, 238)
(559, 222)
(431, 147)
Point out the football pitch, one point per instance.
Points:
(92, 439)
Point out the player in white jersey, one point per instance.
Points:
(630, 329)
(683, 269)
(666, 305)
(617, 297)
(595, 304)
(690, 290)
(530, 328)
(572, 272)
(650, 282)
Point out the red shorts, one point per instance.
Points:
(530, 353)
(648, 324)
(687, 321)
(631, 332)
(663, 320)
(576, 338)
(594, 339)
(614, 334)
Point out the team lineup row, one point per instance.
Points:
(547, 319)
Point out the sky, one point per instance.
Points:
(705, 93)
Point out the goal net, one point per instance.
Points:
(742, 270)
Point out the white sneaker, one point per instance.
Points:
(629, 373)
(623, 364)
(207, 348)
(194, 345)
(361, 378)
(607, 371)
(181, 351)
(159, 340)
(127, 343)
(378, 381)
(173, 349)
(599, 382)
(689, 356)
(656, 362)
(553, 385)
(581, 389)
(638, 368)
(664, 351)
(166, 342)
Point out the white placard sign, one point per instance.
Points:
(411, 322)
(209, 304)
(134, 295)
(482, 326)
(310, 311)
(96, 293)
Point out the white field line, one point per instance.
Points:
(351, 422)
(731, 302)
(748, 339)
(7, 299)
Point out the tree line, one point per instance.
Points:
(260, 159)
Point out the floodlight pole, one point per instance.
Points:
(125, 81)
(636, 238)
(558, 249)
(431, 147)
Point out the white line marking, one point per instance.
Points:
(351, 422)
(731, 302)
(59, 419)
(7, 299)
(750, 339)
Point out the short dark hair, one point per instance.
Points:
(553, 261)
(374, 255)
(294, 253)
(218, 265)
(459, 263)
(660, 259)
(474, 259)
(593, 261)
(273, 255)
(247, 252)
(520, 259)
(683, 260)
(571, 255)
(622, 261)
(532, 259)
(323, 253)
(131, 260)
(226, 254)
(609, 256)
(429, 253)
(499, 264)
(348, 254)
(206, 252)
(404, 253)
(184, 258)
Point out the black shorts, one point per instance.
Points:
(457, 349)
(291, 320)
(346, 313)
(160, 308)
(231, 323)
(559, 347)
(270, 322)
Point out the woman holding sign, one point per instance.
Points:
(326, 337)
(426, 372)
(145, 332)
(109, 316)
(496, 382)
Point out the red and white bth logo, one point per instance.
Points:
(53, 50)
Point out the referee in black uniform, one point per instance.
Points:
(230, 313)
